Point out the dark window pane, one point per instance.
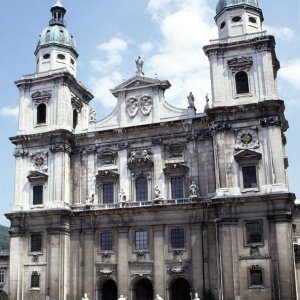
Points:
(108, 193)
(75, 118)
(256, 277)
(35, 280)
(106, 241)
(177, 188)
(141, 189)
(36, 243)
(242, 84)
(249, 177)
(37, 194)
(177, 238)
(41, 113)
(254, 232)
(297, 253)
(141, 240)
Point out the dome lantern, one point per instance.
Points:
(227, 3)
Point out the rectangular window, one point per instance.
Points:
(35, 280)
(108, 193)
(256, 277)
(141, 240)
(177, 238)
(249, 177)
(106, 241)
(36, 243)
(2, 276)
(177, 188)
(254, 232)
(37, 194)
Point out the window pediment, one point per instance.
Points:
(140, 161)
(107, 175)
(248, 156)
(240, 63)
(37, 177)
(41, 97)
(175, 169)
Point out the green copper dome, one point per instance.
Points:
(56, 32)
(225, 3)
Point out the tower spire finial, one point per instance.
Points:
(58, 13)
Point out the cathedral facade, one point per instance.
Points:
(154, 200)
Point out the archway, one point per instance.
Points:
(180, 289)
(143, 290)
(108, 291)
(3, 296)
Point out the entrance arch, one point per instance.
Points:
(142, 290)
(108, 290)
(3, 296)
(180, 289)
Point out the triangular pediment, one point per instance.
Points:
(248, 156)
(140, 82)
(240, 63)
(37, 176)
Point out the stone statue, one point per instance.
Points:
(158, 297)
(196, 297)
(90, 198)
(156, 192)
(191, 100)
(122, 298)
(132, 156)
(193, 189)
(139, 66)
(207, 102)
(146, 156)
(92, 115)
(122, 196)
(85, 297)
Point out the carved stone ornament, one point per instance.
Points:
(140, 159)
(107, 157)
(21, 152)
(221, 126)
(106, 270)
(175, 151)
(132, 107)
(177, 268)
(270, 121)
(41, 97)
(246, 138)
(61, 147)
(240, 64)
(143, 103)
(39, 161)
(76, 104)
(146, 105)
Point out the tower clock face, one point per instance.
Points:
(246, 139)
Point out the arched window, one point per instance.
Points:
(242, 83)
(75, 118)
(41, 113)
(141, 189)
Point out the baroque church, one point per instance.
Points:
(154, 199)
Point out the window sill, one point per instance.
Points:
(38, 253)
(37, 206)
(261, 287)
(35, 289)
(41, 125)
(250, 190)
(243, 95)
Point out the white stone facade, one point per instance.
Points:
(155, 200)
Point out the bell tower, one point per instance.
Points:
(242, 60)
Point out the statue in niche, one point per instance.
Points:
(191, 100)
(156, 192)
(193, 189)
(139, 66)
(85, 297)
(157, 297)
(122, 298)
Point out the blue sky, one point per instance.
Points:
(168, 34)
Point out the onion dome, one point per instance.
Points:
(56, 32)
(227, 3)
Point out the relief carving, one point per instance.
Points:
(143, 103)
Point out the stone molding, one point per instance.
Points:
(61, 147)
(240, 64)
(270, 121)
(41, 97)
